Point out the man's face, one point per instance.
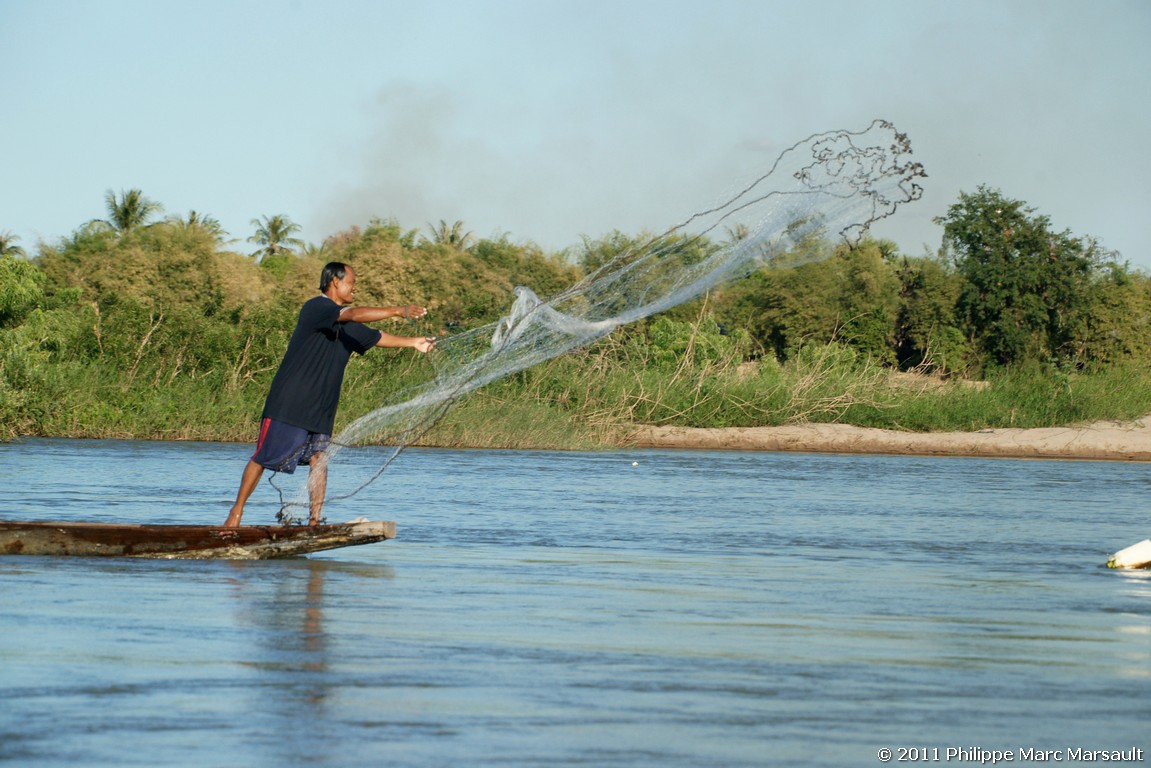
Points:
(345, 287)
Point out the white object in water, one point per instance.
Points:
(1135, 556)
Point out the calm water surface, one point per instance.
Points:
(642, 608)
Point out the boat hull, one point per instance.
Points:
(185, 542)
(1134, 556)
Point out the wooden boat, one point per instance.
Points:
(185, 542)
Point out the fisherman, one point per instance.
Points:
(300, 411)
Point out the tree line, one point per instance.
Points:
(133, 306)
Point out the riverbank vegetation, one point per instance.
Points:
(145, 328)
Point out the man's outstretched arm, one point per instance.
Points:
(418, 343)
(372, 314)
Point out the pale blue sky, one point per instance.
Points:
(551, 120)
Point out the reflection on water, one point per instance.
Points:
(282, 608)
(547, 608)
(287, 613)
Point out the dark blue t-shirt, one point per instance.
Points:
(306, 389)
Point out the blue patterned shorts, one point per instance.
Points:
(283, 447)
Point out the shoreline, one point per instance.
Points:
(1100, 441)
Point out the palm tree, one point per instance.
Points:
(131, 211)
(203, 222)
(274, 233)
(453, 235)
(314, 251)
(8, 245)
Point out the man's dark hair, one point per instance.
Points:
(333, 270)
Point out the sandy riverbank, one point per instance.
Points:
(1119, 441)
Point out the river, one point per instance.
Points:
(623, 608)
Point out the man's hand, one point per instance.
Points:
(414, 311)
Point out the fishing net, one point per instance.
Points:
(839, 182)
